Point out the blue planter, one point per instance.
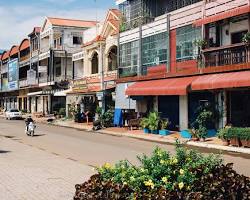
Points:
(164, 132)
(211, 133)
(146, 130)
(154, 131)
(186, 134)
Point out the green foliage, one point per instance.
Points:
(107, 118)
(98, 110)
(223, 134)
(164, 123)
(62, 111)
(246, 38)
(144, 122)
(153, 120)
(160, 170)
(241, 133)
(200, 43)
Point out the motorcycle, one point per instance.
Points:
(30, 131)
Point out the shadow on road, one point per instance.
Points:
(39, 135)
(2, 151)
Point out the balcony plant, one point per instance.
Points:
(153, 120)
(163, 124)
(201, 44)
(145, 124)
(246, 38)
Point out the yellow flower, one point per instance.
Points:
(125, 183)
(107, 165)
(181, 171)
(188, 188)
(162, 161)
(132, 178)
(181, 185)
(149, 183)
(164, 179)
(175, 161)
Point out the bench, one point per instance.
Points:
(134, 123)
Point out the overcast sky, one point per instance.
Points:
(18, 17)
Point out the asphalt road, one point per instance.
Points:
(94, 149)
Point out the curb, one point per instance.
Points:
(163, 140)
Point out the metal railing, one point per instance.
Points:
(227, 55)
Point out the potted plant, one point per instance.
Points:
(244, 136)
(62, 112)
(233, 134)
(223, 135)
(153, 120)
(246, 38)
(163, 127)
(145, 125)
(194, 134)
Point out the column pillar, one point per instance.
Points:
(183, 112)
(22, 103)
(49, 105)
(28, 104)
(222, 107)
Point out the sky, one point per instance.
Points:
(18, 17)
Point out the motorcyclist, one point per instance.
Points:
(27, 121)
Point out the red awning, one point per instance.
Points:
(231, 13)
(224, 80)
(171, 86)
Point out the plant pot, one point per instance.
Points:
(186, 134)
(195, 139)
(225, 142)
(154, 131)
(235, 142)
(245, 143)
(164, 132)
(146, 130)
(211, 133)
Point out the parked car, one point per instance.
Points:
(13, 114)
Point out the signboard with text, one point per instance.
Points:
(13, 74)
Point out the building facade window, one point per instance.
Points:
(112, 59)
(185, 37)
(155, 49)
(94, 64)
(129, 57)
(77, 40)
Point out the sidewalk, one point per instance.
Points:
(31, 173)
(211, 143)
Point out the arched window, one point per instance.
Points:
(112, 59)
(94, 63)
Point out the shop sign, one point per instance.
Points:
(13, 74)
(31, 77)
(80, 84)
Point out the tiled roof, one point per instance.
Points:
(24, 44)
(35, 30)
(71, 22)
(14, 50)
(116, 12)
(98, 38)
(6, 55)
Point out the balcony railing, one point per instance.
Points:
(227, 55)
(23, 83)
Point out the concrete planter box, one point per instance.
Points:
(146, 130)
(154, 131)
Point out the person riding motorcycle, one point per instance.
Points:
(27, 121)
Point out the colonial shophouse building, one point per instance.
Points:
(162, 67)
(95, 66)
(35, 74)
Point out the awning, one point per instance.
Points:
(62, 93)
(35, 93)
(224, 80)
(171, 86)
(220, 16)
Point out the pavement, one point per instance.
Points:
(29, 173)
(49, 165)
(212, 143)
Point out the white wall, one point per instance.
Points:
(78, 69)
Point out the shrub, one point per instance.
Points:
(62, 111)
(186, 175)
(223, 134)
(153, 120)
(164, 123)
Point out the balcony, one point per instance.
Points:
(226, 55)
(23, 83)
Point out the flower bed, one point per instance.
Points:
(186, 175)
